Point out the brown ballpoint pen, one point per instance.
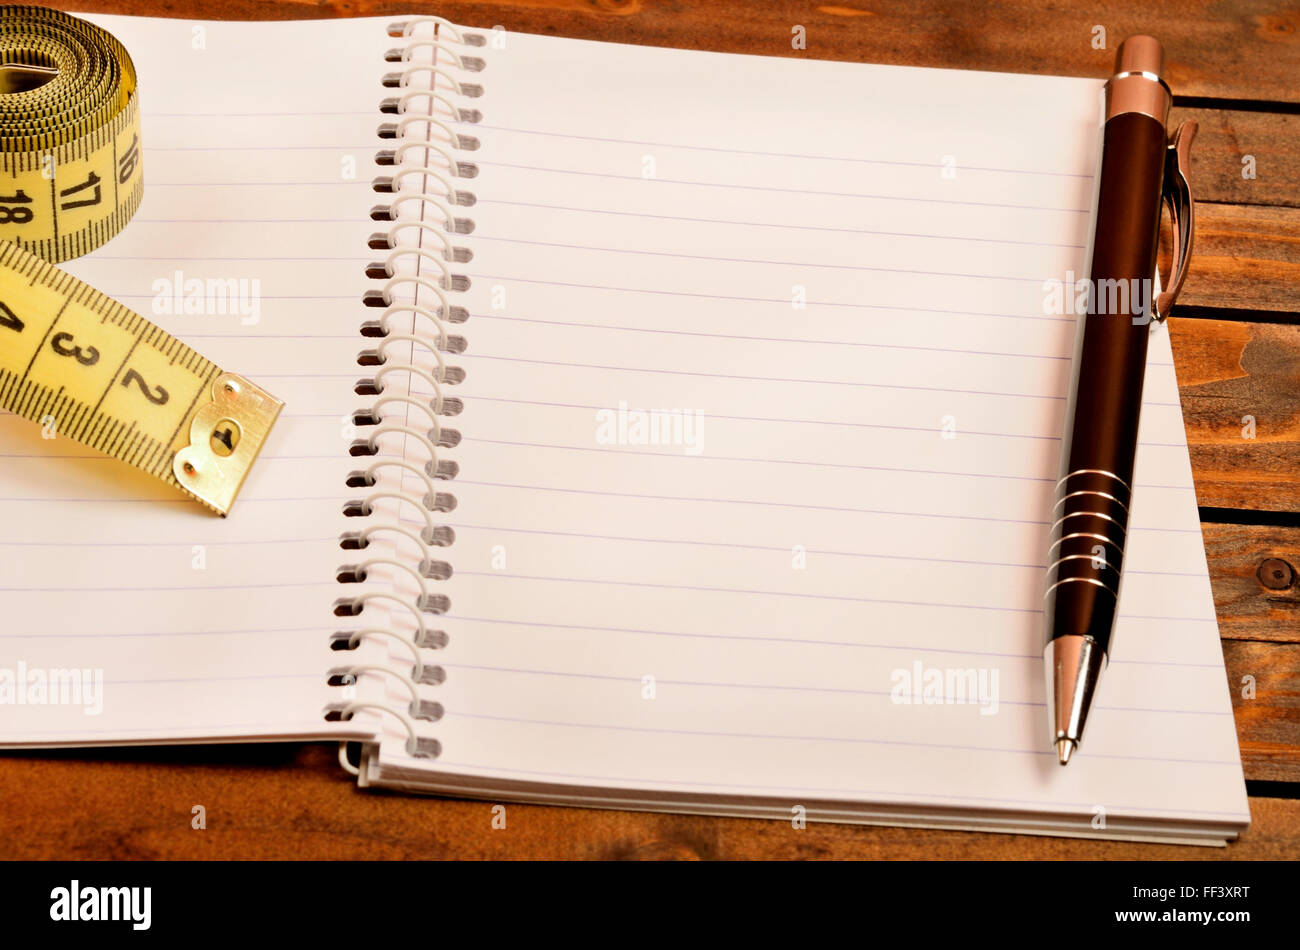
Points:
(1140, 167)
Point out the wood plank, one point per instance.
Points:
(1268, 724)
(1256, 577)
(1224, 137)
(294, 802)
(1205, 39)
(1228, 371)
(1245, 257)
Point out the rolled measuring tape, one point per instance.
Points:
(70, 357)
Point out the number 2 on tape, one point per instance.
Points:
(115, 382)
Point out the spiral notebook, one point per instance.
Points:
(663, 430)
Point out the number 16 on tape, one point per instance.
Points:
(115, 382)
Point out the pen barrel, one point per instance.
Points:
(1099, 439)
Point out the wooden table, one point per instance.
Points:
(1236, 66)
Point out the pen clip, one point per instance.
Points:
(1182, 214)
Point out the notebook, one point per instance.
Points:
(705, 466)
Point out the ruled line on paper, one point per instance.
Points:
(863, 384)
(1037, 522)
(258, 677)
(132, 635)
(164, 589)
(1036, 279)
(854, 305)
(773, 188)
(798, 641)
(253, 727)
(609, 211)
(783, 225)
(803, 595)
(696, 146)
(811, 463)
(794, 688)
(690, 146)
(468, 394)
(90, 543)
(626, 678)
(704, 542)
(770, 640)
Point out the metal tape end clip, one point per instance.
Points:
(1182, 213)
(226, 435)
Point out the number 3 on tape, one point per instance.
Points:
(117, 383)
(70, 178)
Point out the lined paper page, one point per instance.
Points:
(207, 628)
(836, 272)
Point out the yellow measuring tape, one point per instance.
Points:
(70, 357)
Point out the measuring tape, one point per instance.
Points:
(72, 359)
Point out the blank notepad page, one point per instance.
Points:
(204, 627)
(822, 285)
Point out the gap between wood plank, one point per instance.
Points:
(1237, 105)
(1251, 516)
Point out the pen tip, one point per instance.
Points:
(1064, 748)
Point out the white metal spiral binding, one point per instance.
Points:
(400, 528)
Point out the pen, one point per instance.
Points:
(1140, 167)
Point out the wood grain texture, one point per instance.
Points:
(1268, 722)
(1224, 137)
(1256, 577)
(1245, 257)
(1234, 49)
(293, 802)
(1229, 371)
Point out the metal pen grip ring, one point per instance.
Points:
(1088, 534)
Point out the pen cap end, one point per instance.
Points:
(1140, 54)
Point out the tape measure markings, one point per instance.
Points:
(103, 374)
